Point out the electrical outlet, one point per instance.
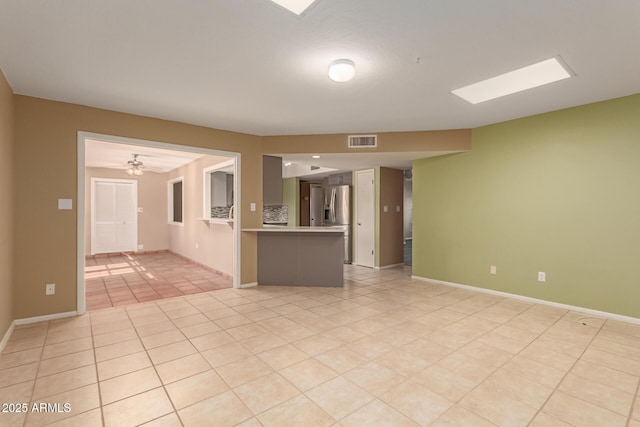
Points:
(50, 289)
(492, 270)
(140, 247)
(542, 276)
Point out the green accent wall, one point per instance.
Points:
(291, 198)
(557, 192)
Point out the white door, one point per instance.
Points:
(114, 225)
(365, 218)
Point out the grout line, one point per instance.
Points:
(153, 365)
(35, 380)
(633, 401)
(95, 364)
(555, 389)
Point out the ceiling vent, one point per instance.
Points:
(359, 141)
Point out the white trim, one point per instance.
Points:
(206, 187)
(7, 335)
(590, 311)
(249, 285)
(45, 318)
(81, 301)
(384, 267)
(80, 262)
(237, 221)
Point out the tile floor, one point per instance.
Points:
(124, 279)
(384, 351)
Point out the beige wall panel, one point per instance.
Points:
(215, 241)
(46, 169)
(391, 222)
(441, 140)
(6, 195)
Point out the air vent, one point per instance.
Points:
(359, 141)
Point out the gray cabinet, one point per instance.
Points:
(271, 180)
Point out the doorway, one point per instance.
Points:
(229, 228)
(365, 218)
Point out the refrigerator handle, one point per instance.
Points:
(333, 205)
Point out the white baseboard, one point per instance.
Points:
(590, 311)
(7, 335)
(45, 318)
(248, 285)
(384, 267)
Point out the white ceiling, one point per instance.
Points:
(252, 66)
(340, 162)
(103, 154)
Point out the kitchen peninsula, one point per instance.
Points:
(300, 256)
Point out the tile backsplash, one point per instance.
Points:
(275, 213)
(220, 212)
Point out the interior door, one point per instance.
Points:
(365, 218)
(114, 226)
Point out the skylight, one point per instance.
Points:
(541, 73)
(295, 6)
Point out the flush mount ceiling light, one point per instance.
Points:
(315, 157)
(342, 70)
(541, 73)
(295, 6)
(134, 167)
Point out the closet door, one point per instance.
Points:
(365, 218)
(113, 215)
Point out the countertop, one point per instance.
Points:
(287, 229)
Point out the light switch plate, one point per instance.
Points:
(253, 207)
(65, 204)
(386, 208)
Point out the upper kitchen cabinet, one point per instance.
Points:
(271, 180)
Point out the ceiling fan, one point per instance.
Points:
(134, 167)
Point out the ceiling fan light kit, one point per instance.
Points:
(135, 166)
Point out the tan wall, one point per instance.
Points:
(215, 241)
(7, 137)
(46, 169)
(153, 231)
(391, 222)
(441, 140)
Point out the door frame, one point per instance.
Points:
(93, 208)
(81, 303)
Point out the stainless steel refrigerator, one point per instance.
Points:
(337, 213)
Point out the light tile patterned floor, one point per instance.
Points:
(125, 279)
(384, 351)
